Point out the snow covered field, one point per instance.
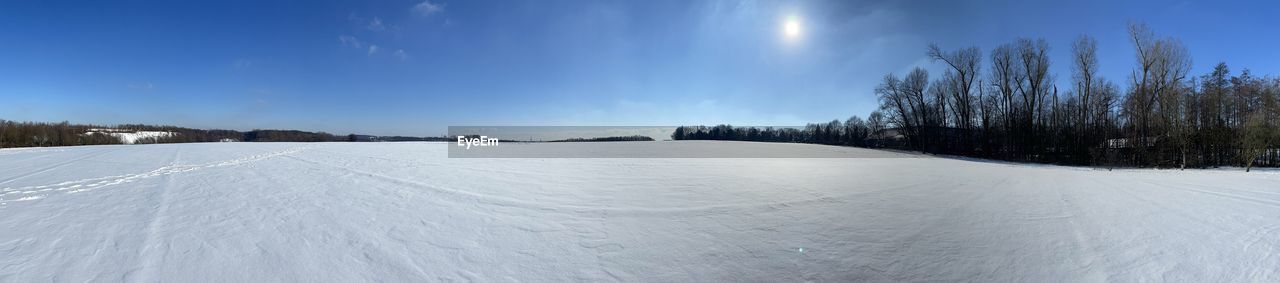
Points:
(395, 212)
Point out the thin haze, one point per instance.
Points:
(414, 67)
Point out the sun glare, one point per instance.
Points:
(791, 28)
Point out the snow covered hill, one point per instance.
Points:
(130, 136)
(399, 212)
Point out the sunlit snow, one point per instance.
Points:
(403, 212)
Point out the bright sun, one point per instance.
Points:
(791, 28)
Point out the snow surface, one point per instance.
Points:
(252, 212)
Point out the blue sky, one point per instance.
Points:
(413, 67)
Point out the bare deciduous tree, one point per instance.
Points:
(966, 63)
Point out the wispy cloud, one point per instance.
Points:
(376, 25)
(373, 49)
(142, 86)
(426, 8)
(401, 54)
(260, 98)
(242, 64)
(350, 41)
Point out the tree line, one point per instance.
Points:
(372, 138)
(31, 134)
(852, 132)
(38, 134)
(1017, 110)
(607, 139)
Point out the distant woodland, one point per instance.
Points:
(608, 139)
(1015, 109)
(33, 134)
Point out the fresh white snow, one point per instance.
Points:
(398, 212)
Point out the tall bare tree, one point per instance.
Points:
(966, 64)
(1084, 67)
(1163, 65)
(1033, 56)
(1006, 80)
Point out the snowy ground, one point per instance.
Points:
(251, 212)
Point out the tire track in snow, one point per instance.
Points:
(58, 165)
(29, 193)
(1164, 205)
(153, 249)
(23, 156)
(1261, 235)
(13, 151)
(1232, 196)
(1085, 249)
(1258, 238)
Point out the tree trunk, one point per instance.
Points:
(1184, 159)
